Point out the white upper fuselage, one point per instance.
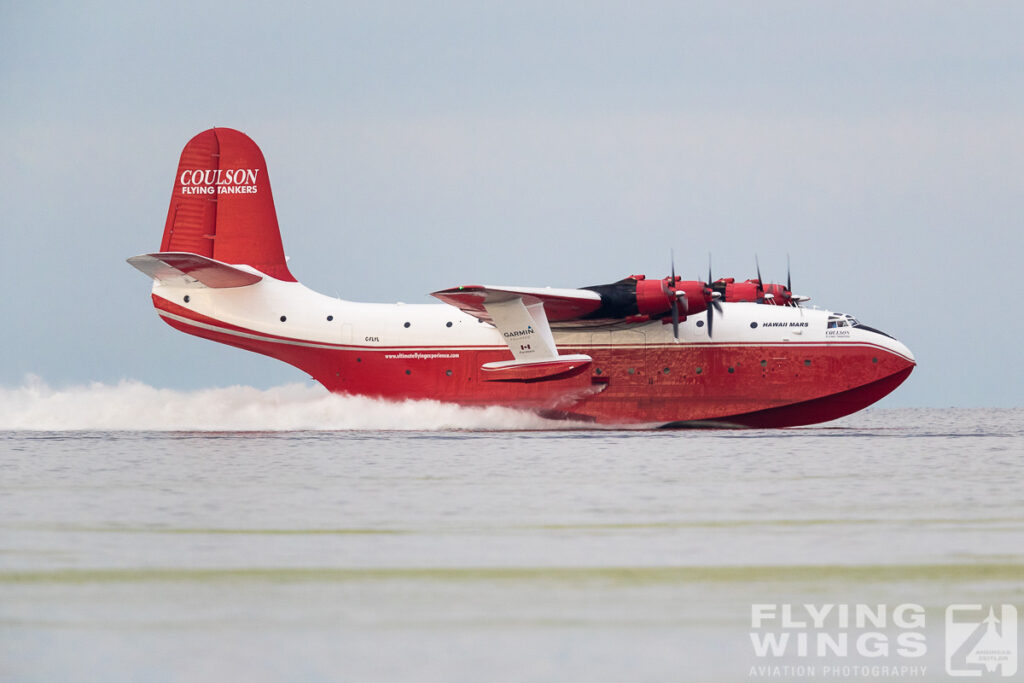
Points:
(289, 309)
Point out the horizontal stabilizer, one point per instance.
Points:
(559, 304)
(182, 269)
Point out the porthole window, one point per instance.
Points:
(699, 369)
(187, 298)
(598, 371)
(408, 372)
(631, 371)
(764, 364)
(732, 370)
(407, 324)
(448, 372)
(753, 326)
(330, 318)
(667, 370)
(359, 360)
(807, 362)
(874, 360)
(284, 318)
(448, 324)
(700, 323)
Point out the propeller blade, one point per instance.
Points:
(757, 265)
(675, 320)
(709, 268)
(675, 296)
(716, 304)
(789, 283)
(711, 318)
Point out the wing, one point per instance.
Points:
(559, 304)
(183, 269)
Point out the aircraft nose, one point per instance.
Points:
(904, 351)
(890, 343)
(900, 349)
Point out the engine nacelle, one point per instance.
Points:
(637, 296)
(697, 296)
(731, 290)
(777, 295)
(652, 297)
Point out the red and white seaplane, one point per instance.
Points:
(641, 352)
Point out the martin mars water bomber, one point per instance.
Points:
(640, 352)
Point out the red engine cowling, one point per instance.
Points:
(698, 296)
(652, 297)
(731, 290)
(780, 296)
(637, 297)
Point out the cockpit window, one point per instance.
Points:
(842, 320)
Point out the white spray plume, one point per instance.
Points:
(133, 406)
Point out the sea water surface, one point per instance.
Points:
(238, 534)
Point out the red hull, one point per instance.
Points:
(686, 385)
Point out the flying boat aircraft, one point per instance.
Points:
(641, 352)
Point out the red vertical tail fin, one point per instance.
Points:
(222, 207)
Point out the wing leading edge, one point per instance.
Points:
(559, 304)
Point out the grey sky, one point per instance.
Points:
(413, 147)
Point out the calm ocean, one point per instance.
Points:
(152, 535)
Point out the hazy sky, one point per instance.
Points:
(416, 146)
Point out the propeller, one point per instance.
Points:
(797, 299)
(675, 299)
(689, 296)
(760, 280)
(716, 306)
(778, 294)
(712, 297)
